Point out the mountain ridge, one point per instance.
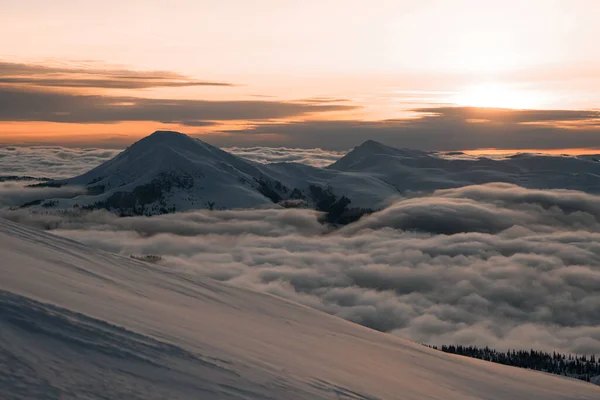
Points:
(169, 171)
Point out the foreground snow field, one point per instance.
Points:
(81, 323)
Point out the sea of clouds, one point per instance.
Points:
(56, 162)
(314, 157)
(63, 162)
(51, 161)
(493, 264)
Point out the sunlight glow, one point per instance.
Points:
(497, 95)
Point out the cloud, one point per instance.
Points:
(438, 128)
(16, 194)
(120, 83)
(315, 157)
(489, 208)
(18, 104)
(493, 264)
(509, 115)
(53, 162)
(318, 100)
(57, 162)
(93, 76)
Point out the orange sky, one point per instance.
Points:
(376, 60)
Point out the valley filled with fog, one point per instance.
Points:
(493, 264)
(299, 200)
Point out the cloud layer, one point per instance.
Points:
(494, 264)
(314, 157)
(439, 128)
(18, 104)
(53, 162)
(15, 194)
(86, 76)
(57, 162)
(85, 94)
(93, 94)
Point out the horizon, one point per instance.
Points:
(473, 152)
(318, 199)
(409, 74)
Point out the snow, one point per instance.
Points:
(416, 170)
(218, 176)
(370, 175)
(82, 323)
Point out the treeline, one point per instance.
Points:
(575, 366)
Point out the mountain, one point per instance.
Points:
(372, 155)
(169, 171)
(415, 170)
(82, 323)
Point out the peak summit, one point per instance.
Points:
(372, 145)
(170, 139)
(167, 135)
(370, 154)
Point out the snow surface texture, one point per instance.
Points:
(169, 171)
(81, 323)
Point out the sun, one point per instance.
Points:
(497, 95)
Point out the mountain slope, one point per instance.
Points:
(169, 171)
(80, 323)
(415, 170)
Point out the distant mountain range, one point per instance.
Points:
(169, 171)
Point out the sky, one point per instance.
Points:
(431, 74)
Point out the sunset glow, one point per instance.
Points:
(497, 96)
(300, 199)
(205, 67)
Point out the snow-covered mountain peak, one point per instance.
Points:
(163, 138)
(173, 140)
(169, 171)
(372, 145)
(163, 152)
(166, 135)
(371, 153)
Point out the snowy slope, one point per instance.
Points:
(80, 323)
(365, 190)
(169, 171)
(416, 170)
